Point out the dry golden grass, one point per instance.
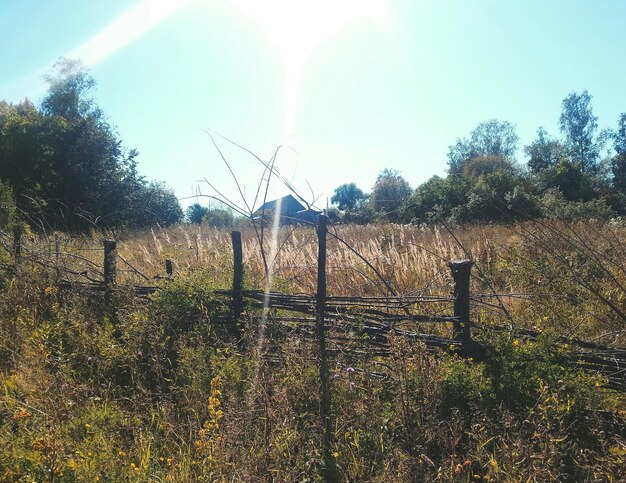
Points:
(530, 261)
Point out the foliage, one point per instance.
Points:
(579, 125)
(618, 163)
(219, 218)
(348, 197)
(544, 152)
(66, 164)
(195, 213)
(388, 195)
(163, 391)
(490, 138)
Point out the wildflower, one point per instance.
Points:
(122, 454)
(87, 426)
(349, 370)
(515, 342)
(336, 454)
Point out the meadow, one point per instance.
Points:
(161, 391)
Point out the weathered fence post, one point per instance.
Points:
(320, 299)
(461, 270)
(17, 244)
(110, 263)
(169, 267)
(237, 307)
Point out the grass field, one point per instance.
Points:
(162, 393)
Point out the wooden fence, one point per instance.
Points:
(328, 318)
(332, 320)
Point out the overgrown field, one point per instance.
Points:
(160, 390)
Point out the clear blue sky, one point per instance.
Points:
(352, 86)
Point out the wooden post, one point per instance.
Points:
(461, 270)
(110, 263)
(237, 307)
(169, 267)
(17, 244)
(320, 299)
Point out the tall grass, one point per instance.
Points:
(161, 392)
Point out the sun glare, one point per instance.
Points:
(129, 26)
(297, 27)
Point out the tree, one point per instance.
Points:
(618, 163)
(156, 204)
(579, 126)
(483, 165)
(490, 138)
(348, 197)
(498, 196)
(219, 218)
(544, 152)
(66, 165)
(195, 213)
(437, 196)
(389, 194)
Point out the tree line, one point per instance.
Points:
(581, 174)
(63, 166)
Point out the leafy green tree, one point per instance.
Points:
(483, 165)
(67, 166)
(568, 178)
(348, 197)
(618, 163)
(195, 213)
(491, 138)
(389, 194)
(437, 197)
(544, 152)
(498, 196)
(156, 204)
(579, 126)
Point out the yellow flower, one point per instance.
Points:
(87, 426)
(515, 342)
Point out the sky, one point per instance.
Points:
(347, 88)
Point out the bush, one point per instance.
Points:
(218, 218)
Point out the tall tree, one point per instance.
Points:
(544, 152)
(491, 138)
(618, 163)
(579, 126)
(389, 193)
